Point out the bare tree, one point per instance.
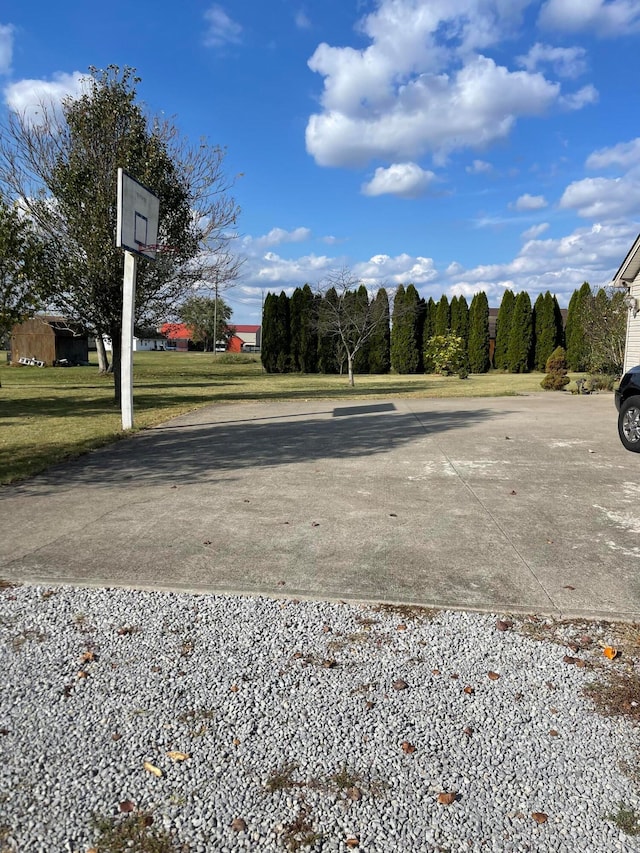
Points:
(61, 166)
(348, 315)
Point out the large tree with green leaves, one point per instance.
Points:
(521, 335)
(443, 316)
(503, 331)
(577, 346)
(208, 320)
(479, 334)
(405, 354)
(62, 167)
(270, 345)
(380, 345)
(547, 336)
(604, 324)
(22, 268)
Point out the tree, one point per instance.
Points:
(443, 318)
(347, 317)
(503, 331)
(604, 325)
(295, 320)
(380, 345)
(479, 334)
(556, 367)
(577, 347)
(545, 329)
(208, 321)
(448, 354)
(62, 170)
(283, 334)
(22, 268)
(269, 345)
(460, 318)
(361, 359)
(308, 332)
(521, 335)
(405, 355)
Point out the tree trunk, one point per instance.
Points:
(116, 350)
(103, 359)
(350, 368)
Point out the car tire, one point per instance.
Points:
(629, 424)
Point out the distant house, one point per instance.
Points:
(628, 277)
(47, 341)
(250, 338)
(178, 336)
(144, 340)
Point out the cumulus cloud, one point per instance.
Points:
(401, 269)
(604, 198)
(625, 154)
(535, 231)
(604, 17)
(31, 98)
(529, 202)
(423, 86)
(6, 48)
(221, 29)
(406, 180)
(280, 272)
(277, 236)
(565, 61)
(479, 167)
(582, 98)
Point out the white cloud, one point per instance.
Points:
(604, 198)
(6, 48)
(535, 231)
(272, 269)
(406, 180)
(222, 29)
(479, 167)
(565, 61)
(277, 236)
(302, 20)
(31, 98)
(604, 17)
(401, 269)
(422, 85)
(625, 154)
(530, 202)
(582, 98)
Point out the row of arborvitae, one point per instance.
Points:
(320, 332)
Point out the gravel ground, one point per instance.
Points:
(256, 724)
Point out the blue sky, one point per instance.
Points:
(461, 145)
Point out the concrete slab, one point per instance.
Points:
(505, 504)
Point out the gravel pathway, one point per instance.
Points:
(256, 724)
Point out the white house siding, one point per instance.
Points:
(632, 348)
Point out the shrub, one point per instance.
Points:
(556, 378)
(557, 361)
(447, 354)
(555, 381)
(600, 382)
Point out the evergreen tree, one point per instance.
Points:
(404, 345)
(503, 330)
(429, 329)
(361, 359)
(283, 333)
(380, 348)
(308, 333)
(558, 323)
(479, 334)
(577, 347)
(295, 325)
(460, 319)
(443, 316)
(521, 336)
(269, 351)
(545, 330)
(327, 360)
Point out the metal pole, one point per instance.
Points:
(215, 319)
(126, 353)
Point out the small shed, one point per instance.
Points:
(49, 340)
(628, 277)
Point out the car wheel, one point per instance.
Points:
(629, 424)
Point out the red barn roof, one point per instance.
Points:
(246, 328)
(173, 331)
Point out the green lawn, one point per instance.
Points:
(50, 414)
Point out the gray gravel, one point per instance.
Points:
(291, 720)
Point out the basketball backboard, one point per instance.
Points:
(138, 210)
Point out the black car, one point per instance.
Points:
(627, 399)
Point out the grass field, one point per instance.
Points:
(51, 414)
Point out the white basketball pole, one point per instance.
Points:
(126, 354)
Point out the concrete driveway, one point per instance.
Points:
(507, 504)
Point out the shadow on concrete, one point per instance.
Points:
(200, 453)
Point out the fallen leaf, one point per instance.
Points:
(610, 652)
(407, 747)
(315, 524)
(446, 798)
(126, 806)
(150, 768)
(454, 675)
(83, 674)
(174, 755)
(238, 825)
(369, 704)
(401, 627)
(517, 696)
(399, 684)
(354, 793)
(435, 671)
(570, 660)
(568, 586)
(352, 841)
(4, 731)
(326, 629)
(236, 741)
(549, 541)
(469, 690)
(116, 736)
(539, 817)
(393, 514)
(553, 733)
(88, 656)
(573, 646)
(507, 438)
(329, 663)
(234, 688)
(494, 676)
(468, 731)
(504, 624)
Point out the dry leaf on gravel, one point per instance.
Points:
(352, 841)
(407, 747)
(494, 676)
(126, 806)
(446, 798)
(354, 793)
(238, 825)
(175, 755)
(504, 624)
(399, 684)
(610, 652)
(468, 731)
(539, 817)
(469, 690)
(150, 768)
